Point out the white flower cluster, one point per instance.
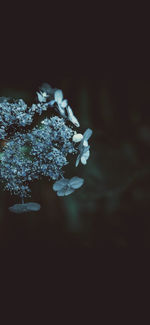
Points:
(27, 155)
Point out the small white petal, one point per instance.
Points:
(40, 97)
(87, 134)
(51, 103)
(71, 117)
(85, 143)
(77, 161)
(58, 96)
(64, 103)
(85, 156)
(77, 137)
(83, 160)
(61, 110)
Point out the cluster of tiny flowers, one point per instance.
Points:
(13, 114)
(17, 169)
(40, 152)
(44, 150)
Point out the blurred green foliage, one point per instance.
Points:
(112, 208)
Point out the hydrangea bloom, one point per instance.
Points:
(28, 154)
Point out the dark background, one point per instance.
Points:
(102, 66)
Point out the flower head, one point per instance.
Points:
(28, 154)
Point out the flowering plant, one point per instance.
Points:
(29, 152)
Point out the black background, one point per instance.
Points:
(105, 56)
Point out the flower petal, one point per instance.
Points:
(87, 134)
(77, 161)
(25, 207)
(83, 160)
(58, 96)
(69, 191)
(85, 143)
(77, 137)
(76, 182)
(33, 206)
(58, 185)
(71, 117)
(18, 208)
(40, 96)
(85, 156)
(64, 103)
(65, 191)
(61, 192)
